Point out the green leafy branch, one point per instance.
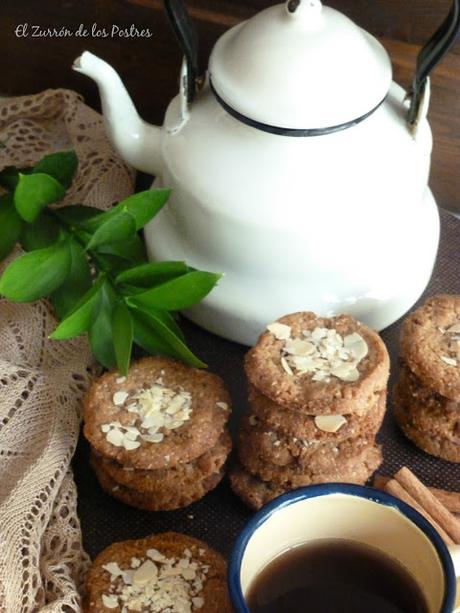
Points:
(93, 267)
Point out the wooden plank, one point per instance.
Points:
(412, 22)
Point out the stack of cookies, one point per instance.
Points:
(159, 436)
(165, 572)
(317, 394)
(427, 394)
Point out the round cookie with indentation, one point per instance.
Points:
(255, 492)
(166, 500)
(430, 344)
(181, 476)
(438, 446)
(427, 411)
(162, 414)
(163, 572)
(321, 366)
(364, 454)
(271, 416)
(259, 448)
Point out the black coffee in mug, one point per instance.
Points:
(335, 576)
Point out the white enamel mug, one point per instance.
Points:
(351, 512)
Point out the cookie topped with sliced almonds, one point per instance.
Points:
(165, 572)
(430, 344)
(161, 414)
(319, 428)
(319, 365)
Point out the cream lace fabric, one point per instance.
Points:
(42, 562)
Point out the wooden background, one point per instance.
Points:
(149, 66)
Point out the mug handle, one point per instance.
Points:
(454, 551)
(428, 58)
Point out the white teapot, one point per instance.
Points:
(298, 168)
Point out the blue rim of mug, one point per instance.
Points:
(325, 489)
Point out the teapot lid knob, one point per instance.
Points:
(303, 9)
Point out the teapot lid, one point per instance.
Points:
(299, 66)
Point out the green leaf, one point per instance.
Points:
(100, 333)
(122, 330)
(36, 274)
(151, 333)
(10, 224)
(80, 319)
(168, 320)
(77, 213)
(180, 293)
(142, 206)
(77, 283)
(43, 232)
(154, 273)
(132, 250)
(34, 192)
(116, 230)
(62, 166)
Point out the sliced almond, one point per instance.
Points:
(113, 569)
(356, 345)
(330, 423)
(280, 331)
(153, 438)
(286, 367)
(222, 405)
(298, 346)
(155, 555)
(109, 602)
(198, 602)
(347, 372)
(131, 436)
(303, 363)
(455, 329)
(119, 398)
(115, 438)
(145, 573)
(131, 445)
(449, 361)
(319, 333)
(189, 574)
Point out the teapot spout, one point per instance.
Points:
(138, 143)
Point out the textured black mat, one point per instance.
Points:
(220, 515)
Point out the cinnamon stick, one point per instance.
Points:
(429, 502)
(395, 488)
(451, 500)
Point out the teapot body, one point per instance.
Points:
(338, 223)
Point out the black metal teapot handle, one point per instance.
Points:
(188, 41)
(431, 54)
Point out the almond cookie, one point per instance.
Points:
(321, 366)
(430, 344)
(165, 572)
(425, 409)
(181, 476)
(258, 447)
(272, 416)
(162, 414)
(255, 492)
(166, 500)
(438, 446)
(364, 454)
